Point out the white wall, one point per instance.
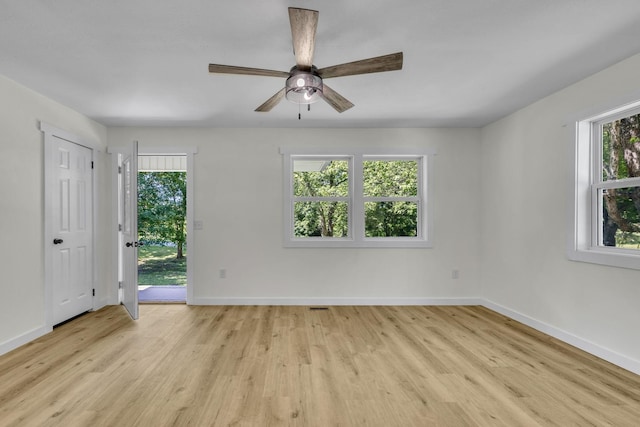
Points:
(238, 197)
(22, 206)
(526, 167)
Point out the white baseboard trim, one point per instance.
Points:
(23, 339)
(588, 346)
(336, 301)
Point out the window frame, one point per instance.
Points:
(356, 236)
(585, 235)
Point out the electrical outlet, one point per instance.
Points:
(455, 274)
(223, 273)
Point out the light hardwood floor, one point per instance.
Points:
(260, 366)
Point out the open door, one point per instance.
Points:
(129, 242)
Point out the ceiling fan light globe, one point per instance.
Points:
(303, 87)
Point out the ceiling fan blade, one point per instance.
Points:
(333, 98)
(304, 23)
(378, 64)
(271, 102)
(232, 69)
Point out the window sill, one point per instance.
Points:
(611, 258)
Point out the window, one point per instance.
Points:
(356, 199)
(606, 224)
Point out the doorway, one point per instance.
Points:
(162, 228)
(126, 247)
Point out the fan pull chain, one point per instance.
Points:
(299, 110)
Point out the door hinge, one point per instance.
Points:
(119, 285)
(119, 169)
(91, 164)
(119, 227)
(94, 292)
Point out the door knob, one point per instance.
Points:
(57, 241)
(128, 244)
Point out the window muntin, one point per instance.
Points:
(356, 199)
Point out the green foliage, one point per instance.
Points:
(391, 219)
(331, 181)
(328, 219)
(162, 208)
(158, 265)
(383, 178)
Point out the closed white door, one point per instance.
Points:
(72, 229)
(129, 241)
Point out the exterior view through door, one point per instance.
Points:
(162, 226)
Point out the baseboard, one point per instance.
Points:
(588, 346)
(336, 301)
(23, 339)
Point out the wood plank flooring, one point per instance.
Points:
(291, 366)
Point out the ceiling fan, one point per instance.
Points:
(305, 82)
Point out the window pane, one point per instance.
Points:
(620, 225)
(321, 219)
(621, 148)
(390, 178)
(321, 178)
(391, 219)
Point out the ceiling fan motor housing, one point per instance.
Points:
(304, 87)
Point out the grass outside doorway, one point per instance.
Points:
(158, 266)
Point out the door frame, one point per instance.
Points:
(50, 132)
(156, 151)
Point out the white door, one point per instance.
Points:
(129, 241)
(72, 219)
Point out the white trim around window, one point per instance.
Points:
(355, 199)
(585, 218)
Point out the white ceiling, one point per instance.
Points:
(466, 62)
